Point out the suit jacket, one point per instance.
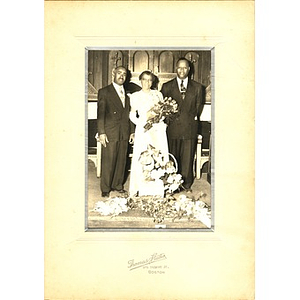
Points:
(184, 124)
(113, 118)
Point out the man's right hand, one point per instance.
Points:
(103, 139)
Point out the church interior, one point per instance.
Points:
(162, 63)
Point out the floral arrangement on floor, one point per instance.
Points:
(112, 207)
(159, 208)
(156, 167)
(160, 111)
(170, 207)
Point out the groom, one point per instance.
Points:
(182, 128)
(115, 130)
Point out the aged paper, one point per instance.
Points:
(149, 265)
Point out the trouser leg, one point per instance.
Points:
(187, 159)
(120, 165)
(108, 160)
(174, 149)
(184, 152)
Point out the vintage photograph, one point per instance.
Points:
(149, 150)
(149, 138)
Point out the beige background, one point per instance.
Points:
(94, 265)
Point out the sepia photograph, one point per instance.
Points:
(149, 139)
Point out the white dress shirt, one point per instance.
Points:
(185, 82)
(121, 92)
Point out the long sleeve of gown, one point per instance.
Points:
(133, 111)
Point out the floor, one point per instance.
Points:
(137, 219)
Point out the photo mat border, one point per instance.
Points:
(73, 253)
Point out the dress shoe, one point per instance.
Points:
(105, 194)
(121, 191)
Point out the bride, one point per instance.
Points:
(141, 102)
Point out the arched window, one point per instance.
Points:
(140, 61)
(166, 62)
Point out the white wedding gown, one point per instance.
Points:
(141, 102)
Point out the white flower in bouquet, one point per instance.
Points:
(173, 187)
(157, 174)
(146, 157)
(156, 155)
(170, 179)
(160, 161)
(149, 167)
(147, 174)
(160, 110)
(170, 170)
(178, 178)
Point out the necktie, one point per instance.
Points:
(122, 96)
(182, 90)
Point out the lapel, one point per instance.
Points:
(177, 94)
(189, 88)
(189, 95)
(127, 102)
(115, 99)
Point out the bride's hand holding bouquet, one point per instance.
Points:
(160, 111)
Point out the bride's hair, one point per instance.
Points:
(146, 73)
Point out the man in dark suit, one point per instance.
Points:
(182, 128)
(115, 131)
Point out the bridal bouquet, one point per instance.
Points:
(155, 167)
(160, 111)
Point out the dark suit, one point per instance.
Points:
(113, 120)
(182, 128)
